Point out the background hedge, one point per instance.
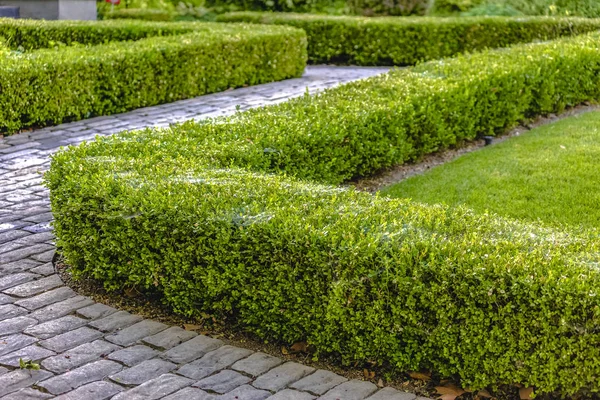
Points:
(49, 86)
(189, 213)
(146, 14)
(406, 41)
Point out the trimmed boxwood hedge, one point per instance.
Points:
(407, 41)
(146, 14)
(189, 212)
(49, 86)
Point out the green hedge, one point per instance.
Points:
(141, 13)
(50, 86)
(188, 212)
(27, 34)
(406, 41)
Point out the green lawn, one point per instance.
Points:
(551, 173)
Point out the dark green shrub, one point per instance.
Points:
(146, 14)
(189, 212)
(583, 8)
(49, 86)
(406, 41)
(493, 9)
(389, 7)
(277, 5)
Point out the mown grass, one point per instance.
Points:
(551, 174)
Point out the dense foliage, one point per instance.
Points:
(49, 86)
(212, 216)
(585, 8)
(406, 41)
(147, 14)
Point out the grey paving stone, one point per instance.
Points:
(61, 308)
(5, 299)
(11, 343)
(70, 380)
(29, 353)
(68, 340)
(351, 390)
(96, 311)
(246, 392)
(44, 269)
(9, 311)
(190, 393)
(192, 349)
(319, 382)
(34, 287)
(12, 235)
(214, 361)
(289, 394)
(24, 252)
(27, 394)
(169, 338)
(223, 382)
(281, 376)
(257, 364)
(47, 298)
(100, 390)
(391, 394)
(133, 355)
(143, 372)
(19, 266)
(15, 325)
(46, 256)
(79, 356)
(132, 334)
(118, 320)
(36, 237)
(55, 327)
(19, 379)
(15, 279)
(155, 388)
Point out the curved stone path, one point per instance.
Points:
(90, 351)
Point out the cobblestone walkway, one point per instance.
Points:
(89, 351)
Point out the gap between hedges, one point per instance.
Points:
(220, 217)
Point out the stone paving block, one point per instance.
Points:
(246, 392)
(15, 279)
(100, 390)
(68, 340)
(389, 393)
(280, 377)
(190, 393)
(257, 364)
(27, 394)
(19, 379)
(169, 338)
(24, 252)
(133, 355)
(214, 361)
(132, 334)
(319, 382)
(29, 353)
(351, 390)
(143, 372)
(70, 380)
(55, 327)
(155, 388)
(61, 308)
(15, 325)
(19, 266)
(222, 382)
(79, 356)
(9, 311)
(96, 311)
(46, 298)
(35, 287)
(44, 269)
(35, 238)
(289, 394)
(12, 235)
(11, 343)
(6, 299)
(192, 349)
(120, 319)
(42, 217)
(46, 256)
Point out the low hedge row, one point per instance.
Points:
(141, 13)
(407, 41)
(189, 212)
(28, 34)
(49, 86)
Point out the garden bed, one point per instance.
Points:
(220, 217)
